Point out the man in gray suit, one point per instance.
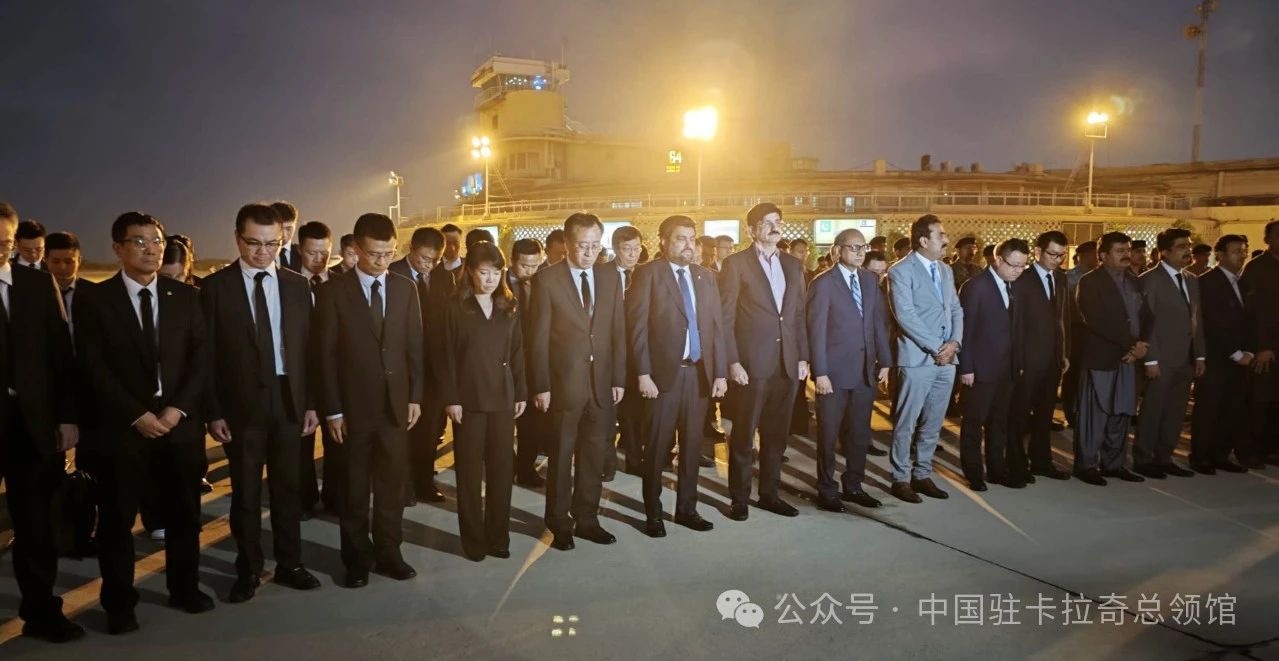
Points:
(1176, 355)
(848, 340)
(929, 323)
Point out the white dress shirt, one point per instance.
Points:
(366, 283)
(692, 294)
(270, 286)
(1043, 280)
(1000, 285)
(577, 283)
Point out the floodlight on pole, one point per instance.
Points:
(700, 124)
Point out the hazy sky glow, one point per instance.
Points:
(189, 111)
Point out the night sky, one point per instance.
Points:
(187, 112)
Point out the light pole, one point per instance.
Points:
(1097, 126)
(1200, 32)
(700, 124)
(396, 181)
(480, 149)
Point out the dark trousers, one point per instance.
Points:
(764, 404)
(682, 409)
(424, 443)
(630, 425)
(985, 409)
(375, 461)
(334, 491)
(1220, 422)
(1264, 420)
(573, 484)
(484, 453)
(1163, 411)
(843, 418)
(1030, 417)
(31, 478)
(1101, 431)
(531, 441)
(174, 467)
(799, 412)
(272, 443)
(1070, 392)
(308, 482)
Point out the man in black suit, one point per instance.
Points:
(676, 338)
(259, 398)
(315, 243)
(451, 259)
(848, 337)
(435, 287)
(62, 260)
(1220, 418)
(142, 341)
(369, 321)
(1041, 342)
(291, 256)
(1113, 340)
(577, 370)
(531, 428)
(987, 368)
(37, 427)
(30, 245)
(627, 244)
(346, 250)
(762, 291)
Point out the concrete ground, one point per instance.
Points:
(1183, 553)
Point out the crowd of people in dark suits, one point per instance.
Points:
(551, 350)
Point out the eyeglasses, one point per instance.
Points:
(855, 247)
(587, 245)
(381, 256)
(139, 243)
(1055, 255)
(316, 254)
(254, 244)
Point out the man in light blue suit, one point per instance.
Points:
(929, 323)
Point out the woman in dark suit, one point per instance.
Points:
(485, 391)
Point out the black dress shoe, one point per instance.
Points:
(1173, 469)
(56, 629)
(595, 534)
(192, 602)
(500, 553)
(903, 491)
(531, 480)
(1009, 482)
(693, 521)
(655, 527)
(777, 506)
(1231, 467)
(608, 477)
(1056, 426)
(121, 623)
(297, 578)
(1051, 472)
(978, 485)
(830, 505)
(1149, 470)
(739, 512)
(860, 497)
(205, 487)
(356, 578)
(876, 452)
(243, 589)
(1203, 468)
(563, 542)
(1091, 476)
(474, 556)
(928, 488)
(400, 571)
(430, 495)
(785, 459)
(1124, 474)
(704, 461)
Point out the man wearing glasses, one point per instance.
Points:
(848, 339)
(261, 402)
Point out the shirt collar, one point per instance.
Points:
(367, 280)
(133, 286)
(675, 268)
(577, 272)
(1229, 276)
(308, 274)
(453, 265)
(1041, 270)
(252, 272)
(759, 252)
(922, 260)
(844, 269)
(24, 263)
(995, 274)
(1171, 271)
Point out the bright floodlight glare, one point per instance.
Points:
(700, 123)
(480, 147)
(1098, 118)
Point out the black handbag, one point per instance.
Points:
(73, 514)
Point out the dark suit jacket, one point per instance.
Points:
(236, 383)
(291, 257)
(483, 357)
(439, 292)
(751, 318)
(43, 365)
(656, 325)
(847, 346)
(1041, 327)
(987, 351)
(109, 342)
(574, 357)
(1106, 335)
(42, 266)
(1225, 326)
(365, 377)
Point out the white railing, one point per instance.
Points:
(826, 201)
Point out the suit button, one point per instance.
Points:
(503, 363)
(388, 372)
(779, 339)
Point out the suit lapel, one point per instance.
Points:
(119, 301)
(667, 276)
(355, 298)
(167, 314)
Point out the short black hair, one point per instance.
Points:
(1139, 244)
(623, 234)
(921, 228)
(62, 241)
(1223, 243)
(1201, 249)
(450, 227)
(879, 239)
(287, 212)
(1165, 239)
(347, 241)
(875, 256)
(314, 230)
(1109, 239)
(427, 237)
(7, 211)
(260, 214)
(724, 237)
(580, 221)
(1010, 246)
(988, 251)
(668, 225)
(1257, 253)
(966, 241)
(30, 229)
(706, 241)
(1050, 237)
(120, 228)
(795, 242)
(1087, 247)
(556, 236)
(901, 243)
(476, 235)
(376, 226)
(757, 213)
(1271, 226)
(525, 247)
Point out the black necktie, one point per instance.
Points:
(6, 351)
(586, 294)
(66, 300)
(262, 321)
(31, 266)
(1052, 292)
(1008, 287)
(316, 281)
(1181, 287)
(626, 279)
(148, 330)
(375, 308)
